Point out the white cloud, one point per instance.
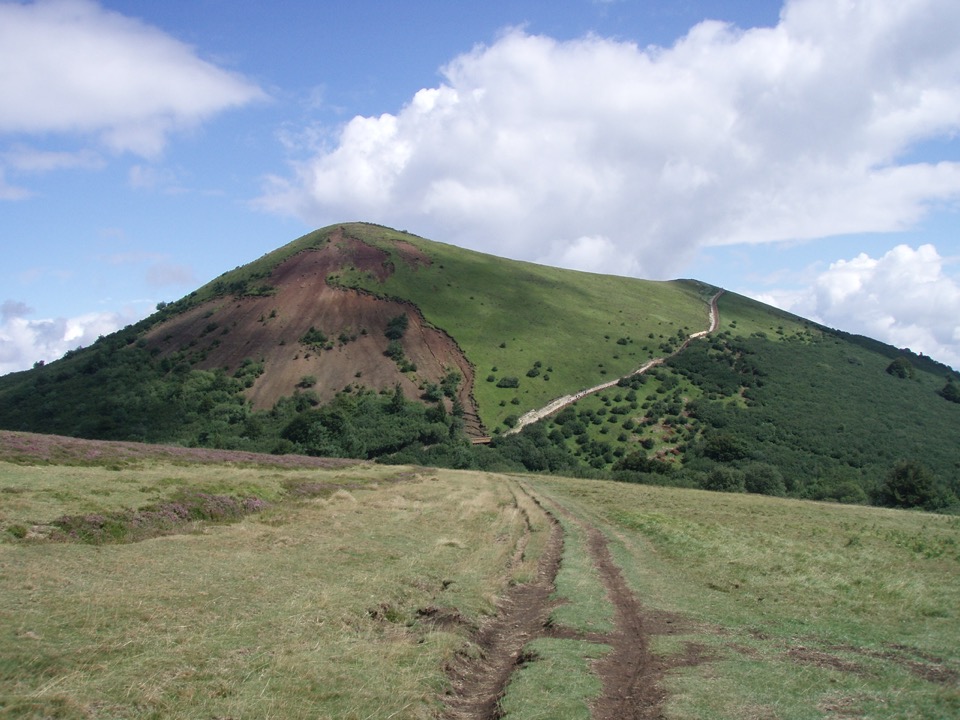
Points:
(531, 145)
(28, 159)
(24, 341)
(76, 67)
(904, 298)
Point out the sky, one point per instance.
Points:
(804, 153)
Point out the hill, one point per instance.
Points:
(361, 341)
(142, 581)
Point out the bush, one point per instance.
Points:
(911, 485)
(724, 447)
(901, 368)
(508, 382)
(764, 480)
(950, 391)
(396, 327)
(314, 338)
(722, 479)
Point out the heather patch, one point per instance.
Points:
(185, 513)
(34, 449)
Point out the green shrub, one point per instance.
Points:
(901, 368)
(724, 479)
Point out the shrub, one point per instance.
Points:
(950, 391)
(724, 447)
(396, 327)
(314, 338)
(764, 479)
(723, 479)
(909, 484)
(901, 368)
(508, 382)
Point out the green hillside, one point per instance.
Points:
(769, 403)
(508, 316)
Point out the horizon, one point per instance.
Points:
(804, 154)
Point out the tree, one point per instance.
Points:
(909, 484)
(724, 479)
(951, 391)
(900, 368)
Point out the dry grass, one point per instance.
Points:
(312, 609)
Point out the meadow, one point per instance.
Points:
(352, 590)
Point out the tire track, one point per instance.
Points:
(631, 674)
(478, 684)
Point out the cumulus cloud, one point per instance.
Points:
(80, 68)
(904, 298)
(24, 341)
(543, 150)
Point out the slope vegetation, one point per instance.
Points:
(361, 341)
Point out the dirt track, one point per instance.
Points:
(630, 674)
(553, 406)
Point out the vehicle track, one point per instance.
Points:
(630, 673)
(479, 683)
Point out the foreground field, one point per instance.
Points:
(365, 591)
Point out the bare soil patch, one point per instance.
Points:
(226, 331)
(631, 674)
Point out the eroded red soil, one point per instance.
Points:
(224, 332)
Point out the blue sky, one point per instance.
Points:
(804, 153)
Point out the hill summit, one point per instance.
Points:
(357, 340)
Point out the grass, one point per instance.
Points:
(585, 605)
(495, 310)
(802, 606)
(554, 681)
(346, 606)
(742, 316)
(351, 592)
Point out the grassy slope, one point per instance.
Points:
(310, 609)
(808, 610)
(507, 315)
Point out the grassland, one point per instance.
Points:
(510, 318)
(349, 594)
(807, 610)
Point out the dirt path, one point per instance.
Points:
(478, 684)
(631, 674)
(553, 406)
